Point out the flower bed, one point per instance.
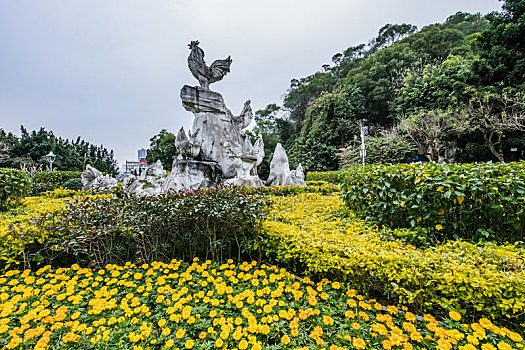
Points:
(310, 233)
(206, 306)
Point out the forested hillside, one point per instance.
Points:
(448, 92)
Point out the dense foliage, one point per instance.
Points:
(49, 180)
(207, 305)
(94, 231)
(14, 185)
(443, 70)
(311, 235)
(468, 201)
(328, 176)
(29, 151)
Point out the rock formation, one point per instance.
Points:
(149, 183)
(298, 176)
(280, 174)
(92, 179)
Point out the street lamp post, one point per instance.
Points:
(364, 132)
(51, 158)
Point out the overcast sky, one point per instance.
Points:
(111, 71)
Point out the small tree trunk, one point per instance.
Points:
(492, 145)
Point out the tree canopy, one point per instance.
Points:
(30, 149)
(403, 76)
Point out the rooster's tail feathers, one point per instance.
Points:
(220, 68)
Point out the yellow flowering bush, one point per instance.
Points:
(24, 225)
(212, 306)
(309, 234)
(17, 228)
(14, 185)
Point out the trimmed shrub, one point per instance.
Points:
(328, 176)
(470, 201)
(14, 185)
(307, 234)
(73, 184)
(49, 180)
(323, 187)
(216, 224)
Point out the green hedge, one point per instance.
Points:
(49, 180)
(14, 185)
(328, 176)
(479, 201)
(322, 188)
(216, 224)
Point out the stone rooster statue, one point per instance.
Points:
(204, 74)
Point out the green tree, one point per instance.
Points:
(493, 116)
(30, 150)
(162, 147)
(428, 130)
(386, 146)
(502, 47)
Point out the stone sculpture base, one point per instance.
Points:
(192, 174)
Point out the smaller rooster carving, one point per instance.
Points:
(204, 74)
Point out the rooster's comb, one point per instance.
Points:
(193, 44)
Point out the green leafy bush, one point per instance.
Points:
(49, 180)
(73, 184)
(215, 224)
(328, 176)
(14, 185)
(470, 201)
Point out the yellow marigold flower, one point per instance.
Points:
(443, 344)
(161, 323)
(189, 343)
(327, 320)
(487, 347)
(439, 227)
(166, 331)
(243, 344)
(202, 335)
(408, 346)
(515, 337)
(358, 343)
(285, 339)
(180, 333)
(70, 337)
(504, 346)
(169, 343)
(219, 343)
(454, 316)
(472, 339)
